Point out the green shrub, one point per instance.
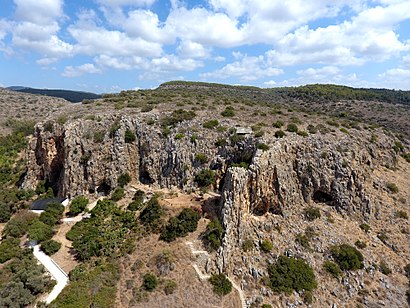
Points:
(292, 128)
(384, 268)
(39, 231)
(18, 225)
(266, 306)
(392, 187)
(289, 274)
(398, 147)
(365, 227)
(9, 248)
(213, 234)
(332, 268)
(344, 130)
(348, 257)
(266, 246)
(181, 225)
(124, 179)
(118, 194)
(99, 136)
(194, 138)
(205, 178)
(221, 284)
(228, 112)
(114, 128)
(146, 108)
(311, 213)
(247, 245)
(278, 124)
(406, 156)
(302, 240)
(308, 297)
(179, 136)
(303, 134)
(312, 129)
(178, 116)
(50, 247)
(5, 212)
(211, 124)
(383, 237)
(360, 244)
(242, 164)
(78, 205)
(201, 158)
(170, 287)
(129, 136)
(150, 282)
(151, 215)
(263, 146)
(402, 214)
(280, 134)
(220, 142)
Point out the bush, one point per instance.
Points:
(179, 136)
(348, 257)
(402, 214)
(220, 142)
(50, 247)
(213, 234)
(302, 240)
(78, 205)
(9, 248)
(124, 179)
(5, 212)
(205, 178)
(118, 194)
(39, 231)
(170, 287)
(262, 146)
(303, 134)
(228, 112)
(360, 244)
(247, 245)
(384, 268)
(185, 222)
(151, 215)
(332, 268)
(201, 158)
(308, 297)
(211, 124)
(392, 187)
(266, 306)
(311, 213)
(178, 116)
(266, 246)
(129, 136)
(114, 128)
(365, 227)
(280, 134)
(150, 282)
(278, 124)
(222, 285)
(289, 274)
(292, 128)
(312, 129)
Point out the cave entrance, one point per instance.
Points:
(145, 178)
(104, 189)
(322, 197)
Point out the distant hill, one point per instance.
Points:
(71, 96)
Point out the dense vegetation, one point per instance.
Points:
(221, 284)
(89, 241)
(347, 257)
(289, 274)
(213, 234)
(71, 96)
(181, 225)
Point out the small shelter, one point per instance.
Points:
(243, 131)
(39, 206)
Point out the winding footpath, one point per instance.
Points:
(203, 276)
(56, 271)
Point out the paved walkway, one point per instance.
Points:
(55, 271)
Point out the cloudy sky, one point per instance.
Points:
(110, 45)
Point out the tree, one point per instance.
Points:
(222, 285)
(348, 257)
(185, 222)
(123, 179)
(129, 136)
(39, 231)
(213, 234)
(289, 274)
(50, 247)
(78, 205)
(52, 214)
(9, 248)
(205, 178)
(150, 282)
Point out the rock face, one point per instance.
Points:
(294, 173)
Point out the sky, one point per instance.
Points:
(110, 45)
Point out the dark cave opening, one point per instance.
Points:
(104, 189)
(145, 178)
(322, 197)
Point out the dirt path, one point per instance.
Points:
(56, 271)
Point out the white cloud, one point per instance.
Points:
(319, 72)
(38, 12)
(246, 69)
(122, 63)
(406, 60)
(138, 3)
(397, 78)
(46, 61)
(172, 63)
(270, 83)
(76, 71)
(192, 50)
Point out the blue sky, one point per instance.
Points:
(111, 45)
